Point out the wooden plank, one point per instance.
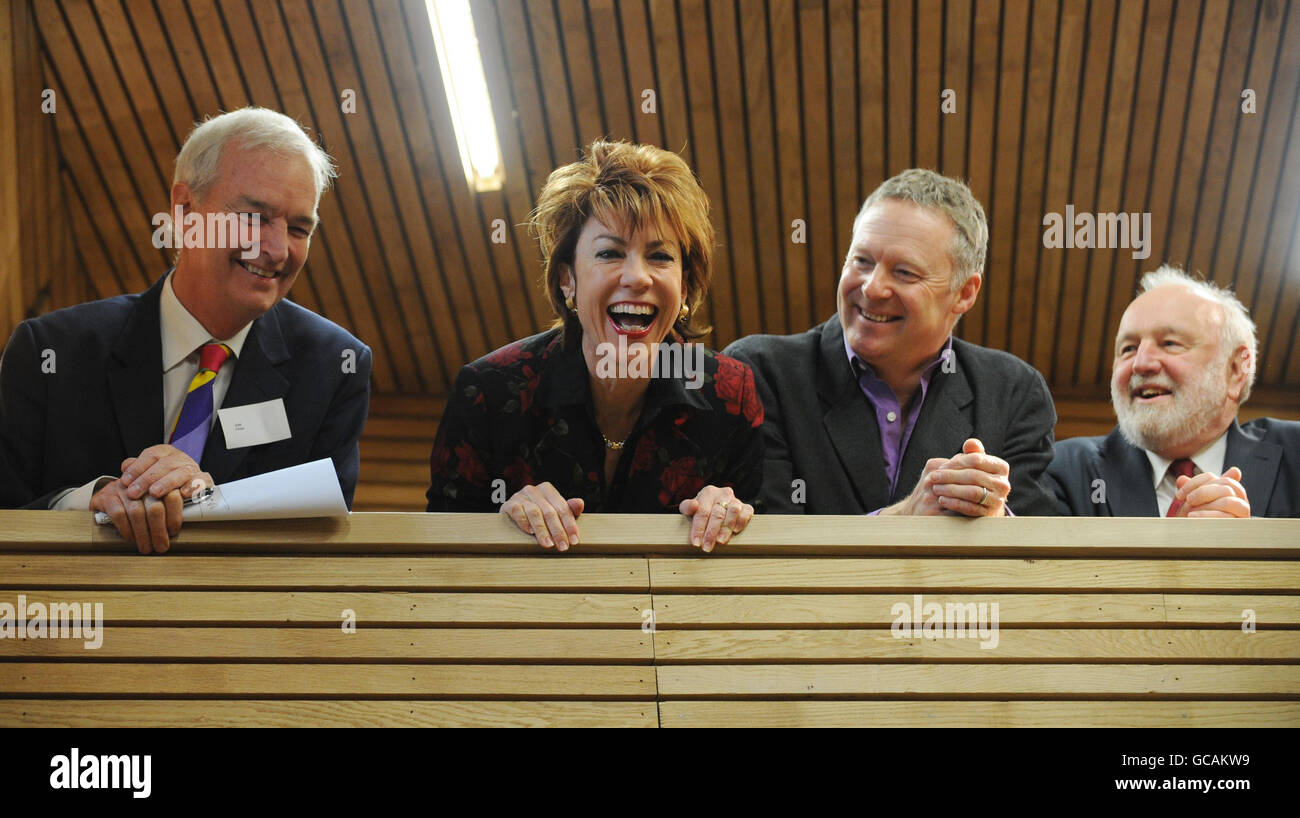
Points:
(979, 714)
(1203, 79)
(371, 496)
(901, 86)
(1149, 87)
(871, 101)
(1248, 182)
(734, 205)
(1231, 609)
(980, 149)
(332, 63)
(786, 102)
(13, 109)
(771, 232)
(820, 175)
(557, 102)
(371, 609)
(929, 57)
(336, 681)
(414, 474)
(844, 159)
(1023, 279)
(312, 713)
(1099, 329)
(423, 645)
(956, 65)
(1014, 645)
(1050, 269)
(1071, 326)
(373, 449)
(344, 249)
(1000, 208)
(1256, 279)
(515, 200)
(445, 573)
(394, 136)
(775, 535)
(456, 220)
(619, 107)
(698, 68)
(636, 32)
(582, 73)
(866, 610)
(848, 575)
(949, 681)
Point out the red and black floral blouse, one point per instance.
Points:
(523, 415)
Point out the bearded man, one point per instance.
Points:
(1184, 364)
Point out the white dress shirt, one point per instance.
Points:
(182, 338)
(1166, 482)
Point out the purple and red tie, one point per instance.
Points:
(192, 424)
(1181, 467)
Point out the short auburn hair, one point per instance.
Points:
(626, 186)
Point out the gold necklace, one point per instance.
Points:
(612, 445)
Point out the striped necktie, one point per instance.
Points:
(192, 424)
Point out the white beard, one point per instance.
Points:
(1194, 406)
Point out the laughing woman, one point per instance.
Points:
(576, 419)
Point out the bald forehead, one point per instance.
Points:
(1172, 309)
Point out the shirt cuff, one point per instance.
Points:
(78, 499)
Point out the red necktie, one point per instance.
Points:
(1181, 468)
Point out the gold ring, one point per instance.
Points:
(985, 497)
(722, 506)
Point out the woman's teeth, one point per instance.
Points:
(632, 317)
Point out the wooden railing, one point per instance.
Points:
(459, 619)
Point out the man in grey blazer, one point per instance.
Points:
(1184, 363)
(880, 410)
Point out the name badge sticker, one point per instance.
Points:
(254, 424)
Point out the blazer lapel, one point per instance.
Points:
(1258, 461)
(943, 425)
(256, 379)
(850, 422)
(1128, 479)
(135, 376)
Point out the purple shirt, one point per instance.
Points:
(895, 429)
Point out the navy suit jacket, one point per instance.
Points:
(81, 391)
(1266, 450)
(820, 427)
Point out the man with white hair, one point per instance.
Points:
(1184, 364)
(113, 405)
(880, 410)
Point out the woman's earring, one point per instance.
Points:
(685, 311)
(571, 304)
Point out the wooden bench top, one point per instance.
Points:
(461, 620)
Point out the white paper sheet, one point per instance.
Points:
(309, 490)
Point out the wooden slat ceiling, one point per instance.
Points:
(787, 110)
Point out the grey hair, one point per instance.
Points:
(1238, 328)
(252, 128)
(952, 198)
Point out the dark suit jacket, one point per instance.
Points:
(821, 429)
(1266, 450)
(103, 400)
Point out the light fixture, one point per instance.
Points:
(467, 94)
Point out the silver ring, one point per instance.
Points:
(985, 497)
